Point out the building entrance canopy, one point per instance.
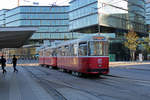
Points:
(15, 37)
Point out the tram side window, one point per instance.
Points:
(62, 51)
(83, 49)
(67, 53)
(51, 52)
(73, 49)
(48, 53)
(105, 48)
(54, 52)
(44, 54)
(59, 51)
(41, 53)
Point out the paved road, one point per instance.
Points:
(141, 72)
(39, 83)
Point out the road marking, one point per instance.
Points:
(144, 84)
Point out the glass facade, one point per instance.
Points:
(52, 21)
(108, 17)
(147, 7)
(122, 14)
(83, 12)
(2, 17)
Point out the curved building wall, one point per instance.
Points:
(121, 14)
(52, 22)
(147, 11)
(2, 17)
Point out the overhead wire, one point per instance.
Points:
(66, 1)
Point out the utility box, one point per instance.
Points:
(112, 57)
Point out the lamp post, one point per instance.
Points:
(72, 30)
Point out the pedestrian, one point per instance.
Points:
(3, 64)
(14, 62)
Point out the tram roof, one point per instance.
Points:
(82, 39)
(15, 37)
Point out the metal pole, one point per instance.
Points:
(18, 3)
(72, 29)
(99, 27)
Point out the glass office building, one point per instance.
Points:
(52, 21)
(112, 18)
(147, 7)
(2, 17)
(147, 4)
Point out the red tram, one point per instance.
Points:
(41, 57)
(88, 55)
(48, 56)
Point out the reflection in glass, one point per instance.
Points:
(97, 48)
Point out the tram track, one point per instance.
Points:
(45, 84)
(127, 78)
(96, 94)
(108, 77)
(91, 80)
(54, 85)
(108, 83)
(130, 80)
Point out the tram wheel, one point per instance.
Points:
(50, 67)
(78, 74)
(69, 71)
(64, 70)
(73, 73)
(42, 65)
(60, 69)
(47, 66)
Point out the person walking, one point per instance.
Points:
(3, 64)
(14, 62)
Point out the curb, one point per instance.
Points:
(113, 64)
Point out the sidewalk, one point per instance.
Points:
(20, 86)
(123, 63)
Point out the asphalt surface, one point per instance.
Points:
(130, 82)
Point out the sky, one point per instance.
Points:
(9, 4)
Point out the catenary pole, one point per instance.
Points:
(18, 3)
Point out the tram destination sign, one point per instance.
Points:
(98, 38)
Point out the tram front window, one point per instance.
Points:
(98, 48)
